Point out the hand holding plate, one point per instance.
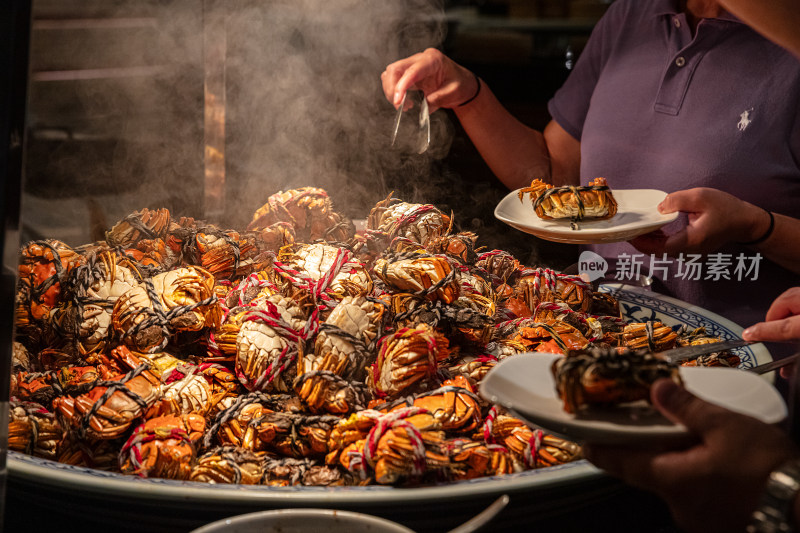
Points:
(714, 484)
(715, 218)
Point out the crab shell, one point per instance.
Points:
(352, 429)
(104, 415)
(76, 379)
(260, 348)
(44, 266)
(473, 368)
(353, 320)
(330, 394)
(409, 448)
(186, 391)
(183, 287)
(536, 449)
(21, 360)
(417, 222)
(401, 444)
(227, 254)
(288, 471)
(144, 224)
(251, 290)
(653, 335)
(161, 363)
(473, 284)
(110, 284)
(471, 459)
(224, 337)
(294, 205)
(34, 430)
(460, 246)
(726, 359)
(315, 261)
(240, 429)
(503, 348)
(276, 236)
(551, 336)
(153, 254)
(33, 387)
(115, 415)
(394, 461)
(229, 464)
(310, 212)
(425, 275)
(594, 201)
(295, 435)
(608, 377)
(163, 447)
(543, 285)
(221, 379)
(406, 359)
(257, 347)
(454, 405)
(97, 454)
(500, 428)
(500, 265)
(594, 328)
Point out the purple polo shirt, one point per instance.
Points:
(656, 108)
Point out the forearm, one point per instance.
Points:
(515, 152)
(749, 224)
(783, 245)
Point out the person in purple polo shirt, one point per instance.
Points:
(741, 471)
(732, 187)
(670, 95)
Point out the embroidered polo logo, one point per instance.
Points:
(744, 120)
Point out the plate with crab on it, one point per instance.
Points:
(583, 215)
(526, 385)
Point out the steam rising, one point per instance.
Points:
(306, 103)
(122, 129)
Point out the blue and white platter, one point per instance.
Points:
(640, 305)
(33, 474)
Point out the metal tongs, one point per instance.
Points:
(686, 353)
(774, 365)
(421, 133)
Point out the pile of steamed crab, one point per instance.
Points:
(296, 351)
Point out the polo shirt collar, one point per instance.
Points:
(672, 7)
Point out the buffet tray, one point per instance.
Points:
(45, 490)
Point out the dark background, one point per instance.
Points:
(116, 115)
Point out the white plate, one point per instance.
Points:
(524, 383)
(303, 521)
(637, 214)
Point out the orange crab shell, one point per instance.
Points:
(163, 447)
(564, 200)
(406, 357)
(540, 337)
